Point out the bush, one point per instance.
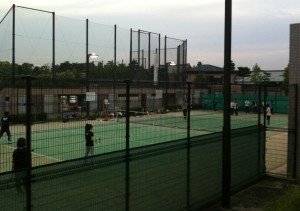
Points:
(197, 106)
(174, 107)
(21, 118)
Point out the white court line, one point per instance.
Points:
(38, 155)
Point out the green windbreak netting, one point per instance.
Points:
(206, 169)
(158, 177)
(10, 199)
(90, 188)
(165, 176)
(247, 156)
(278, 103)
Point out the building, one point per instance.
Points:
(274, 77)
(212, 74)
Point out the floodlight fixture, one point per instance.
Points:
(93, 55)
(89, 56)
(172, 63)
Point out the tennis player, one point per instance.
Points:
(184, 109)
(89, 140)
(5, 122)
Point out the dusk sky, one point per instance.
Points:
(260, 28)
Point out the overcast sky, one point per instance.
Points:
(260, 28)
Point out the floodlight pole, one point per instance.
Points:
(87, 67)
(89, 55)
(14, 44)
(87, 72)
(115, 66)
(139, 48)
(53, 46)
(167, 75)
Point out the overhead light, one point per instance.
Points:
(93, 55)
(172, 63)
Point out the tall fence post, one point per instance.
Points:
(259, 104)
(139, 56)
(28, 139)
(87, 73)
(115, 66)
(127, 191)
(188, 164)
(189, 111)
(53, 46)
(295, 132)
(14, 45)
(226, 145)
(130, 57)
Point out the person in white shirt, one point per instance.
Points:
(247, 104)
(231, 107)
(268, 114)
(236, 107)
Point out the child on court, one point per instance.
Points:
(19, 165)
(89, 140)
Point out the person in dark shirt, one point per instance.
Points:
(19, 165)
(5, 122)
(184, 109)
(89, 140)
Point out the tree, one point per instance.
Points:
(5, 69)
(199, 64)
(243, 72)
(173, 75)
(25, 69)
(257, 74)
(64, 66)
(66, 74)
(285, 82)
(232, 66)
(200, 80)
(200, 77)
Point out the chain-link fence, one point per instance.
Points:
(144, 143)
(59, 47)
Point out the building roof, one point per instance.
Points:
(206, 68)
(275, 75)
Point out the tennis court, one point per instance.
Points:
(57, 141)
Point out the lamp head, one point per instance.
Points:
(172, 63)
(93, 55)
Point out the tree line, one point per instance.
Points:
(132, 71)
(67, 70)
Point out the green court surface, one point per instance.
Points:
(69, 143)
(65, 141)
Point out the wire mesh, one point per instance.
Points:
(155, 155)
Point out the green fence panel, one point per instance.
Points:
(164, 176)
(205, 169)
(279, 103)
(158, 179)
(247, 151)
(10, 198)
